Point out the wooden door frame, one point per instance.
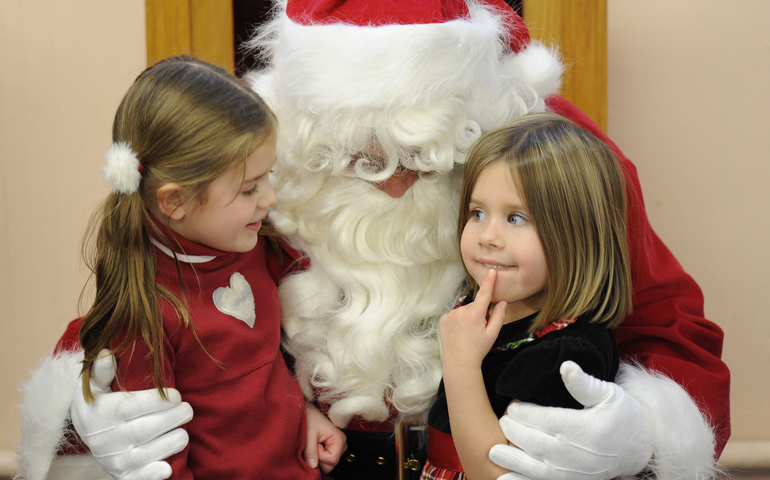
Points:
(204, 28)
(579, 29)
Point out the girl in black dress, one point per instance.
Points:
(543, 239)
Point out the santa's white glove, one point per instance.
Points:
(610, 438)
(129, 433)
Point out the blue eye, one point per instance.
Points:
(251, 191)
(478, 215)
(517, 219)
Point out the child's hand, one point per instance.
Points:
(325, 442)
(466, 335)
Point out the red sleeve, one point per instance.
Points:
(138, 377)
(70, 340)
(283, 260)
(667, 331)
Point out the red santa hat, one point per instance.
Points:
(400, 12)
(399, 53)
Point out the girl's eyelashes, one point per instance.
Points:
(253, 189)
(478, 215)
(517, 219)
(513, 218)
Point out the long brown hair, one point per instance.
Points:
(573, 186)
(188, 122)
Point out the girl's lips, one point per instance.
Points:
(492, 264)
(255, 226)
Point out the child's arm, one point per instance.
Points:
(325, 442)
(466, 338)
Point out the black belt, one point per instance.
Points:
(373, 455)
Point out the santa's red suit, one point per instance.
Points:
(378, 104)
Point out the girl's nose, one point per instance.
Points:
(489, 236)
(269, 199)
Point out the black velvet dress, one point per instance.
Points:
(523, 366)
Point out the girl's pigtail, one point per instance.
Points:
(123, 262)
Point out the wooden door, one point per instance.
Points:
(579, 28)
(203, 28)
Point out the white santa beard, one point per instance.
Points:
(362, 321)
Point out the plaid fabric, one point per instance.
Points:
(551, 327)
(432, 472)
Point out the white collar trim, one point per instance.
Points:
(181, 257)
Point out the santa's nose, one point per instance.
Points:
(398, 183)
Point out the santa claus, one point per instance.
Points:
(378, 105)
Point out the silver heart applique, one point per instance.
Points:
(237, 300)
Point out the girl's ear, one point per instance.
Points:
(170, 203)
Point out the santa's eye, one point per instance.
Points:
(369, 163)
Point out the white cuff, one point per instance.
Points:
(44, 410)
(683, 440)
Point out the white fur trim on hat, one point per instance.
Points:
(541, 68)
(391, 66)
(683, 440)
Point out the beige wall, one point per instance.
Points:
(686, 103)
(64, 66)
(689, 104)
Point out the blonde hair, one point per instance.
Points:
(573, 186)
(187, 122)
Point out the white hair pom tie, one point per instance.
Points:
(123, 171)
